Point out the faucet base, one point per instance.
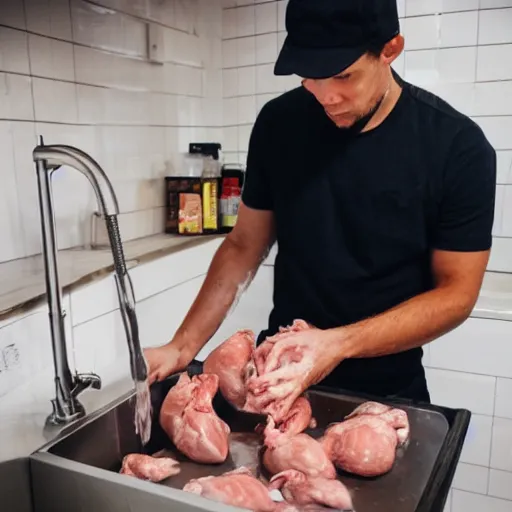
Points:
(62, 415)
(66, 406)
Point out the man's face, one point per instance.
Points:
(351, 95)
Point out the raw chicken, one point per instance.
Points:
(188, 418)
(150, 468)
(274, 397)
(238, 488)
(298, 419)
(365, 443)
(229, 362)
(300, 489)
(300, 452)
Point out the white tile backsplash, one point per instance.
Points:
(13, 50)
(266, 48)
(503, 407)
(16, 97)
(246, 81)
(501, 454)
(246, 21)
(51, 58)
(457, 389)
(463, 501)
(245, 51)
(81, 71)
(497, 130)
(477, 445)
(447, 65)
(500, 484)
(441, 30)
(421, 7)
(494, 62)
(50, 18)
(495, 26)
(266, 18)
(469, 477)
(446, 351)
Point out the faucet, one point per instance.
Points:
(66, 406)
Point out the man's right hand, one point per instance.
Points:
(164, 361)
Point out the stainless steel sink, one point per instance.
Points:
(79, 469)
(15, 486)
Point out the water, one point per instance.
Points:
(143, 411)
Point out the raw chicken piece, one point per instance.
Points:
(238, 488)
(296, 421)
(300, 452)
(288, 369)
(299, 418)
(188, 418)
(229, 362)
(300, 489)
(395, 417)
(365, 443)
(150, 468)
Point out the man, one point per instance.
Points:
(380, 196)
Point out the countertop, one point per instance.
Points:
(495, 298)
(22, 282)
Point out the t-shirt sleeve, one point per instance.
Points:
(257, 193)
(466, 213)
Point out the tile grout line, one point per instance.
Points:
(112, 125)
(106, 87)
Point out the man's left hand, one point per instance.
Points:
(295, 361)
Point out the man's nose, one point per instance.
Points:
(322, 90)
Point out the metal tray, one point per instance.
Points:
(419, 480)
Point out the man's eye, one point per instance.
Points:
(342, 77)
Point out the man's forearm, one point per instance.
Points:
(230, 272)
(406, 326)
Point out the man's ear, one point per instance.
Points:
(392, 49)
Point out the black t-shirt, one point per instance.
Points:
(357, 215)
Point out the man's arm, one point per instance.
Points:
(231, 270)
(458, 278)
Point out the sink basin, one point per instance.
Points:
(15, 485)
(79, 469)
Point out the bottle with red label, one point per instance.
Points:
(231, 196)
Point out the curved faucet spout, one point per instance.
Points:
(57, 155)
(66, 406)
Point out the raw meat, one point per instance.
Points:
(365, 443)
(238, 488)
(289, 368)
(150, 468)
(188, 418)
(229, 362)
(300, 452)
(300, 489)
(298, 419)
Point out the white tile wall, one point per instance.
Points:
(80, 70)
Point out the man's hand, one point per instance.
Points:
(296, 360)
(164, 361)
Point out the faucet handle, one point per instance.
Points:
(84, 381)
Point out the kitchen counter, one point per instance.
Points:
(22, 282)
(495, 298)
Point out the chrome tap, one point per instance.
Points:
(66, 406)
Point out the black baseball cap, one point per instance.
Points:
(327, 36)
